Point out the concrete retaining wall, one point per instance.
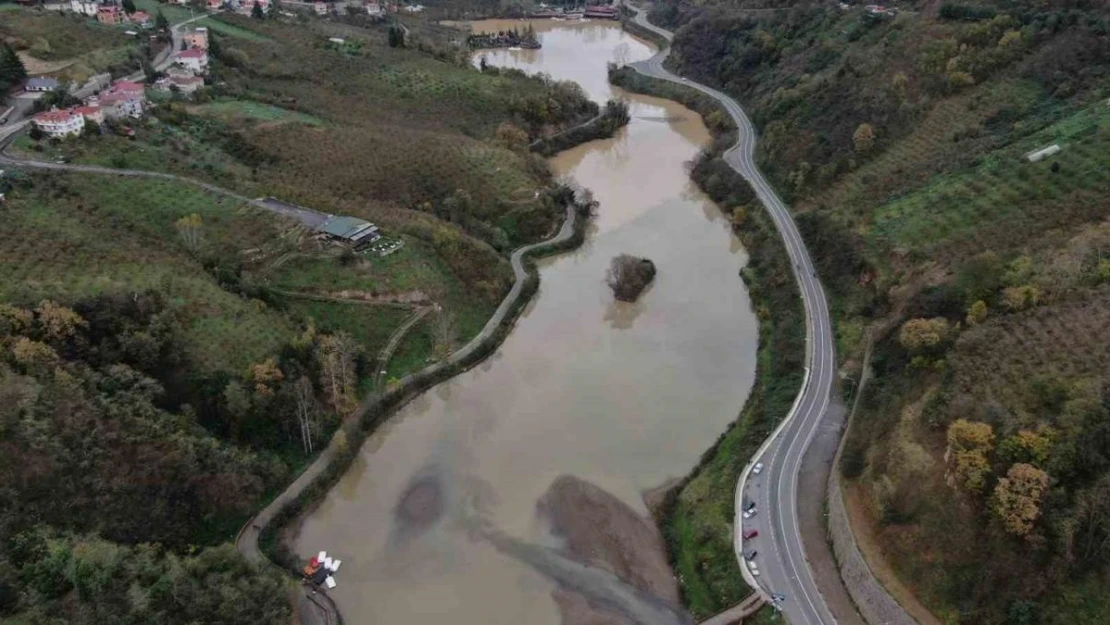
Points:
(871, 599)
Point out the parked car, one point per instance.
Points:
(755, 571)
(749, 534)
(749, 513)
(751, 555)
(749, 506)
(757, 469)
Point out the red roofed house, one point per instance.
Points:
(126, 86)
(123, 99)
(93, 113)
(215, 5)
(193, 59)
(141, 18)
(59, 124)
(110, 15)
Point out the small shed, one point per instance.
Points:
(1043, 153)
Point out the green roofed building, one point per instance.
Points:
(350, 230)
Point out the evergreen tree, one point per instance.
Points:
(160, 22)
(257, 12)
(396, 37)
(12, 71)
(129, 6)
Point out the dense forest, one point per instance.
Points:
(113, 492)
(980, 456)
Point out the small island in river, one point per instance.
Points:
(628, 276)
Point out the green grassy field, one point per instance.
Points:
(235, 110)
(231, 30)
(75, 236)
(156, 146)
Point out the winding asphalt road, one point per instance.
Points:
(782, 559)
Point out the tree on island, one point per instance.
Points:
(628, 276)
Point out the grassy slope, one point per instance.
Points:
(55, 37)
(74, 236)
(939, 213)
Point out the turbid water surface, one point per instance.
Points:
(436, 521)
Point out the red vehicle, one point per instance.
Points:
(751, 534)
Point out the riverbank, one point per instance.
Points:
(696, 517)
(611, 119)
(263, 534)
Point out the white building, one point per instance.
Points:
(193, 59)
(87, 8)
(55, 123)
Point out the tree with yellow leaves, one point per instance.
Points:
(864, 138)
(189, 227)
(58, 322)
(1017, 498)
(265, 375)
(977, 313)
(917, 334)
(969, 445)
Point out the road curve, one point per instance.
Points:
(782, 559)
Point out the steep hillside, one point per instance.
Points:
(899, 138)
(171, 357)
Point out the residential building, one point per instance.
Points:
(124, 86)
(140, 18)
(321, 8)
(93, 114)
(374, 9)
(214, 5)
(196, 38)
(59, 124)
(186, 84)
(246, 7)
(88, 8)
(110, 15)
(350, 230)
(193, 59)
(40, 84)
(123, 99)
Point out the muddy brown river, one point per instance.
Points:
(624, 396)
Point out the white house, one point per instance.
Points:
(88, 8)
(194, 59)
(56, 123)
(373, 9)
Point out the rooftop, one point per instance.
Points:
(50, 83)
(53, 117)
(350, 228)
(192, 53)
